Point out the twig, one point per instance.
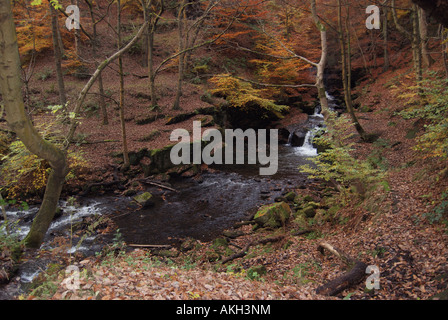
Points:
(157, 185)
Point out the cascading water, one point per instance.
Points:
(308, 148)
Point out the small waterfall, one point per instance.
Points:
(291, 135)
(317, 112)
(308, 148)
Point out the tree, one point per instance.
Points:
(344, 42)
(386, 35)
(120, 71)
(94, 42)
(423, 26)
(413, 36)
(188, 32)
(19, 122)
(57, 49)
(181, 20)
(152, 11)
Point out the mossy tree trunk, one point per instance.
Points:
(11, 90)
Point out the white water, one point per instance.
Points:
(307, 150)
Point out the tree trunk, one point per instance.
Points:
(386, 37)
(57, 55)
(100, 77)
(423, 24)
(77, 34)
(11, 90)
(416, 44)
(180, 21)
(346, 70)
(320, 84)
(120, 70)
(151, 73)
(444, 45)
(414, 37)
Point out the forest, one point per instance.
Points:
(223, 150)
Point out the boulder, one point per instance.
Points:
(273, 215)
(290, 196)
(144, 199)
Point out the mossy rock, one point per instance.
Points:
(290, 196)
(144, 199)
(309, 211)
(321, 216)
(308, 198)
(300, 222)
(273, 215)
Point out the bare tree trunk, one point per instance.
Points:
(151, 73)
(423, 24)
(181, 22)
(94, 42)
(416, 44)
(444, 45)
(413, 36)
(386, 36)
(11, 90)
(57, 55)
(322, 92)
(152, 17)
(346, 70)
(77, 34)
(120, 70)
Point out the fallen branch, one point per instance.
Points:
(243, 252)
(150, 246)
(356, 273)
(157, 184)
(237, 255)
(299, 233)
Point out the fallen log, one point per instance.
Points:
(355, 274)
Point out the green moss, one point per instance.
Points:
(273, 215)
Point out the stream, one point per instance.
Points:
(200, 209)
